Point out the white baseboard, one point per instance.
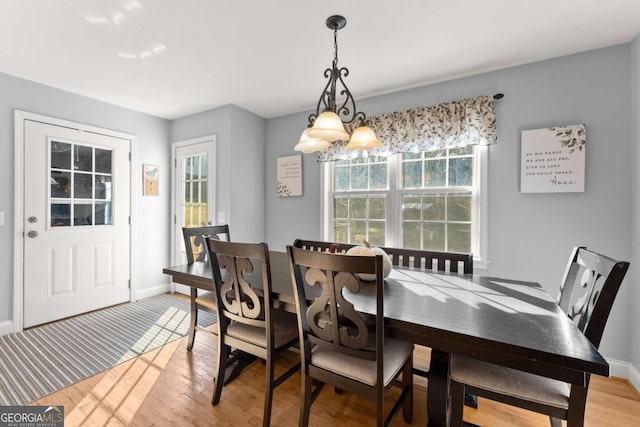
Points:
(6, 327)
(622, 369)
(151, 291)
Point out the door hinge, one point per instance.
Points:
(129, 155)
(175, 163)
(129, 283)
(129, 219)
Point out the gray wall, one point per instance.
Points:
(530, 235)
(153, 137)
(634, 329)
(240, 147)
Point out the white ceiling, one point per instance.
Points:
(171, 58)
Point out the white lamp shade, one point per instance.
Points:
(310, 145)
(363, 138)
(329, 127)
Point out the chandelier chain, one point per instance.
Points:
(335, 46)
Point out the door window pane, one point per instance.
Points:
(83, 158)
(103, 213)
(60, 155)
(103, 161)
(103, 187)
(60, 215)
(60, 184)
(82, 214)
(82, 185)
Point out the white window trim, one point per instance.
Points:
(479, 215)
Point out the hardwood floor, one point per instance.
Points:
(172, 387)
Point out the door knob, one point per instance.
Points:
(32, 234)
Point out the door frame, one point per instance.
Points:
(18, 201)
(211, 178)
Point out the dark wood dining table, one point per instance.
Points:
(507, 322)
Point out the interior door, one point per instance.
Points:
(76, 217)
(194, 192)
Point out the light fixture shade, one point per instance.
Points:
(310, 145)
(329, 127)
(363, 138)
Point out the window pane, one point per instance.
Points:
(459, 208)
(187, 192)
(82, 214)
(459, 237)
(341, 231)
(411, 207)
(412, 174)
(377, 208)
(340, 207)
(341, 179)
(359, 178)
(435, 153)
(461, 151)
(379, 176)
(358, 207)
(411, 231)
(435, 173)
(376, 233)
(103, 161)
(103, 187)
(411, 156)
(461, 172)
(60, 155)
(434, 208)
(82, 186)
(60, 215)
(196, 168)
(60, 184)
(434, 235)
(358, 231)
(83, 158)
(103, 213)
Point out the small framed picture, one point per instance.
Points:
(289, 176)
(150, 180)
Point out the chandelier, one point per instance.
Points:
(326, 125)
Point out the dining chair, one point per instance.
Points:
(336, 344)
(247, 320)
(450, 262)
(196, 249)
(587, 292)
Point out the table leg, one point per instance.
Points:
(438, 389)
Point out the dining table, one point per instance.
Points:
(508, 322)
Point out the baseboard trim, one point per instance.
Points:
(151, 291)
(6, 327)
(622, 369)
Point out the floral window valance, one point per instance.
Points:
(448, 125)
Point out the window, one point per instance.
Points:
(429, 200)
(80, 185)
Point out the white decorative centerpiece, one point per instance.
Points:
(367, 250)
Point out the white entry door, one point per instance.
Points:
(76, 222)
(194, 189)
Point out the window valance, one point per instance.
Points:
(448, 125)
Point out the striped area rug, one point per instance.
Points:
(44, 359)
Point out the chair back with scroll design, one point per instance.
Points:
(589, 287)
(453, 262)
(194, 240)
(196, 250)
(247, 319)
(337, 346)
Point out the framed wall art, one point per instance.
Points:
(553, 160)
(289, 173)
(150, 180)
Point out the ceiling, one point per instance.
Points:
(172, 58)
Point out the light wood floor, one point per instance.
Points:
(172, 387)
